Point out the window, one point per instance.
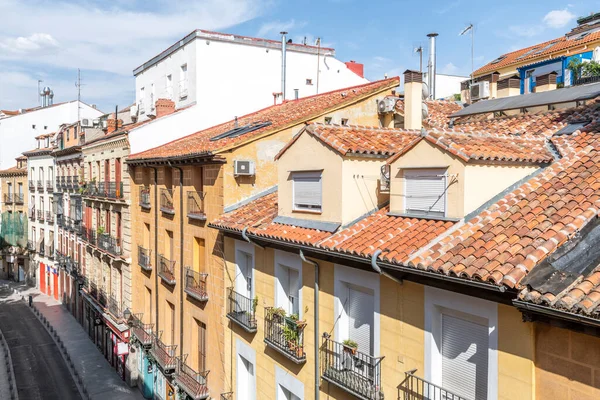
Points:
(309, 81)
(50, 173)
(344, 121)
(169, 86)
(307, 189)
(20, 188)
(32, 126)
(171, 311)
(288, 282)
(199, 254)
(201, 346)
(41, 174)
(9, 189)
(328, 120)
(148, 306)
(74, 132)
(183, 90)
(169, 246)
(152, 96)
(244, 266)
(425, 192)
(45, 126)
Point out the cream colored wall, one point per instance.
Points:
(508, 92)
(482, 182)
(309, 154)
(413, 109)
(426, 155)
(360, 187)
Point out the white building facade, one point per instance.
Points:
(228, 75)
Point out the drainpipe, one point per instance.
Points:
(283, 56)
(247, 239)
(156, 245)
(377, 268)
(181, 275)
(316, 322)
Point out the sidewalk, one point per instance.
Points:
(98, 379)
(8, 388)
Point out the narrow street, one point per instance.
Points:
(40, 370)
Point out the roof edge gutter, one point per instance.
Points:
(524, 306)
(247, 239)
(377, 268)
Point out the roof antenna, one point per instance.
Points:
(235, 122)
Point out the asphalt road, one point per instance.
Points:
(40, 370)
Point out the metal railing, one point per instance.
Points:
(93, 290)
(69, 182)
(145, 197)
(166, 201)
(19, 198)
(114, 308)
(166, 269)
(285, 335)
(89, 235)
(60, 221)
(8, 198)
(144, 259)
(110, 244)
(227, 396)
(195, 203)
(40, 215)
(111, 190)
(241, 310)
(32, 213)
(143, 332)
(41, 248)
(50, 186)
(63, 182)
(356, 372)
(415, 388)
(49, 217)
(586, 79)
(102, 298)
(193, 383)
(50, 251)
(163, 354)
(195, 284)
(40, 184)
(30, 245)
(31, 184)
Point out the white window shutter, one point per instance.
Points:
(425, 192)
(307, 190)
(361, 310)
(464, 357)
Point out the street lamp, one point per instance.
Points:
(127, 314)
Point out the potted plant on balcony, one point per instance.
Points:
(300, 324)
(100, 230)
(278, 314)
(350, 346)
(290, 334)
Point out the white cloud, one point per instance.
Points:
(558, 18)
(34, 43)
(449, 69)
(275, 27)
(526, 30)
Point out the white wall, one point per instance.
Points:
(446, 85)
(17, 133)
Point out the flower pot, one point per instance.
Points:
(349, 349)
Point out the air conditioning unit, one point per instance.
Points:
(388, 104)
(105, 124)
(243, 168)
(85, 122)
(480, 90)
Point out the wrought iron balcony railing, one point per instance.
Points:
(69, 182)
(114, 307)
(50, 186)
(50, 252)
(30, 245)
(227, 396)
(285, 335)
(356, 372)
(61, 221)
(195, 203)
(63, 182)
(195, 284)
(415, 388)
(166, 201)
(145, 197)
(8, 198)
(32, 214)
(110, 244)
(40, 184)
(144, 259)
(49, 217)
(166, 269)
(41, 248)
(19, 198)
(110, 190)
(102, 298)
(89, 236)
(193, 383)
(164, 355)
(241, 310)
(32, 184)
(40, 215)
(143, 332)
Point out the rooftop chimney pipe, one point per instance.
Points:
(431, 66)
(283, 56)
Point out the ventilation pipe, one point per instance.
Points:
(283, 69)
(431, 66)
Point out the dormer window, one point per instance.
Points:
(344, 121)
(307, 191)
(328, 120)
(425, 192)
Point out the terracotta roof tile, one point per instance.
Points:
(439, 112)
(282, 115)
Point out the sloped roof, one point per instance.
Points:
(439, 112)
(282, 115)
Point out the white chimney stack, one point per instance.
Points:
(431, 65)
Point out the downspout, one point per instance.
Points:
(316, 322)
(377, 268)
(156, 245)
(247, 239)
(181, 275)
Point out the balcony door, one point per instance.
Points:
(361, 311)
(246, 380)
(288, 289)
(243, 279)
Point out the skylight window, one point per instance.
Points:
(546, 47)
(572, 127)
(242, 130)
(527, 53)
(497, 60)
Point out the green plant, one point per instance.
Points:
(100, 230)
(254, 304)
(575, 67)
(591, 68)
(350, 343)
(279, 311)
(294, 317)
(290, 334)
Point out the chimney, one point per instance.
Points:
(296, 94)
(164, 107)
(283, 69)
(113, 125)
(431, 66)
(413, 93)
(357, 68)
(545, 82)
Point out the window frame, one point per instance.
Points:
(428, 214)
(306, 174)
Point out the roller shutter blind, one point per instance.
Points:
(361, 308)
(290, 282)
(425, 192)
(307, 190)
(464, 357)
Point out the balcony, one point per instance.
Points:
(102, 298)
(143, 332)
(241, 310)
(114, 307)
(32, 185)
(356, 372)
(41, 249)
(110, 190)
(166, 201)
(9, 198)
(49, 217)
(40, 185)
(195, 203)
(110, 244)
(30, 245)
(145, 197)
(89, 236)
(63, 182)
(50, 252)
(285, 335)
(195, 284)
(144, 259)
(40, 215)
(164, 355)
(227, 396)
(32, 214)
(50, 186)
(415, 388)
(60, 221)
(19, 198)
(166, 269)
(193, 383)
(69, 182)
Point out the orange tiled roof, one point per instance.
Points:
(556, 45)
(357, 140)
(439, 112)
(13, 170)
(281, 116)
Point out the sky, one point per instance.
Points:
(50, 40)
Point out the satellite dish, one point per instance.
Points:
(425, 91)
(424, 111)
